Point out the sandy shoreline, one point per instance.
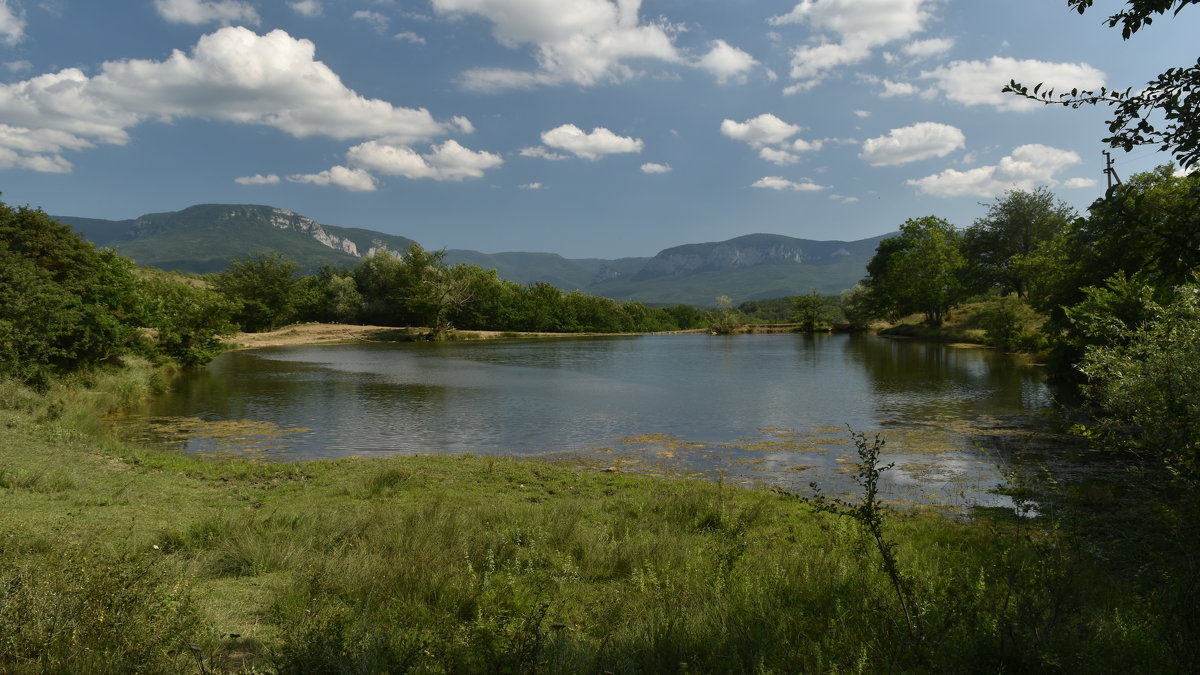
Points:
(334, 333)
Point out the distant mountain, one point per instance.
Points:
(204, 238)
(565, 273)
(752, 267)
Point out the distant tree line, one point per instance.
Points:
(417, 288)
(66, 306)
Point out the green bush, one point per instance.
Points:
(1011, 324)
(74, 610)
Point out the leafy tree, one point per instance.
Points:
(1173, 96)
(1149, 226)
(919, 270)
(447, 289)
(1011, 324)
(188, 319)
(685, 316)
(1145, 377)
(383, 280)
(858, 307)
(64, 305)
(1014, 226)
(811, 312)
(269, 288)
(885, 297)
(724, 319)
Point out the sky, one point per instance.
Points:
(588, 128)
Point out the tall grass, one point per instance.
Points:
(115, 559)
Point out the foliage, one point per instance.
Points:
(1146, 230)
(269, 288)
(79, 610)
(493, 564)
(811, 312)
(63, 305)
(918, 271)
(187, 319)
(1011, 324)
(724, 318)
(1144, 371)
(1013, 227)
(871, 514)
(857, 306)
(1173, 95)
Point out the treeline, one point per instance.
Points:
(1112, 298)
(66, 306)
(417, 288)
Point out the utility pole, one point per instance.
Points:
(1109, 170)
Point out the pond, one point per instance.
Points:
(771, 409)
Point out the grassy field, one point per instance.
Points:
(120, 559)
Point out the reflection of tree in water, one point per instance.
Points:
(939, 383)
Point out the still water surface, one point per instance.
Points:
(768, 408)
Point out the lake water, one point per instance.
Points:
(754, 409)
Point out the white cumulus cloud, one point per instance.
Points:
(449, 161)
(198, 12)
(531, 186)
(848, 32)
(655, 167)
(594, 145)
(232, 75)
(781, 183)
(780, 157)
(373, 19)
(891, 89)
(410, 37)
(257, 179)
(912, 144)
(585, 42)
(12, 23)
(727, 63)
(979, 82)
(766, 129)
(308, 8)
(539, 151)
(1025, 169)
(355, 180)
(923, 49)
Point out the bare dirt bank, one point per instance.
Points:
(334, 333)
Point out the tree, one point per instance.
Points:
(449, 289)
(919, 270)
(1145, 378)
(724, 319)
(1149, 226)
(269, 286)
(187, 319)
(1014, 226)
(64, 306)
(1173, 95)
(811, 312)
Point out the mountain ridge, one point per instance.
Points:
(204, 238)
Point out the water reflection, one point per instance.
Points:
(770, 408)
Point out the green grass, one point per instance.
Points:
(115, 558)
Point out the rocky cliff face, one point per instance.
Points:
(289, 220)
(243, 216)
(672, 262)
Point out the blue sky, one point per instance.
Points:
(589, 128)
